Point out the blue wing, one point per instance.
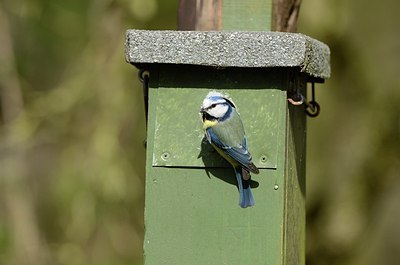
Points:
(238, 151)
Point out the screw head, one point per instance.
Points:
(165, 156)
(263, 159)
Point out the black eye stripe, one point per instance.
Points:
(211, 106)
(230, 102)
(226, 102)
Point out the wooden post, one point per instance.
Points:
(225, 15)
(191, 213)
(278, 15)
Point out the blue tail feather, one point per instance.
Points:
(246, 198)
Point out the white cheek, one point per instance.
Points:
(206, 102)
(219, 111)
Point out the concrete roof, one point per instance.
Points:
(229, 49)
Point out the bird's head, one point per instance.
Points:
(216, 106)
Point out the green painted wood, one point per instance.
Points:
(250, 15)
(295, 215)
(192, 214)
(195, 219)
(177, 139)
(171, 149)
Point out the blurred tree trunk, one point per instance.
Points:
(285, 14)
(200, 15)
(15, 192)
(207, 15)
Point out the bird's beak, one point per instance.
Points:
(203, 113)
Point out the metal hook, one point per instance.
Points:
(312, 107)
(143, 74)
(144, 77)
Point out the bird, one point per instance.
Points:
(224, 130)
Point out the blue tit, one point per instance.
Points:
(225, 132)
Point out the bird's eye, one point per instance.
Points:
(213, 105)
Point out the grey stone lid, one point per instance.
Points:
(229, 49)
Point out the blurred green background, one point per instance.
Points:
(72, 130)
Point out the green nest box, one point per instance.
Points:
(191, 206)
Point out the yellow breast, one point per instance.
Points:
(208, 123)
